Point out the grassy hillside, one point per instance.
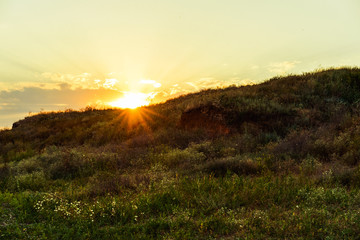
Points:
(274, 160)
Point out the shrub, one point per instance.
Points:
(204, 147)
(35, 181)
(178, 138)
(178, 157)
(346, 176)
(238, 164)
(28, 165)
(111, 183)
(352, 157)
(309, 165)
(65, 164)
(17, 154)
(4, 175)
(296, 144)
(66, 168)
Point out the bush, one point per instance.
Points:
(309, 165)
(35, 181)
(346, 176)
(66, 168)
(28, 165)
(186, 157)
(296, 144)
(4, 175)
(112, 183)
(178, 138)
(238, 164)
(65, 164)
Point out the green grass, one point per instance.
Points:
(232, 206)
(288, 167)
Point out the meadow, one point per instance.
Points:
(277, 160)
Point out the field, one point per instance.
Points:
(277, 160)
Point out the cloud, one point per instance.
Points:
(209, 82)
(282, 67)
(196, 87)
(179, 89)
(90, 81)
(17, 103)
(82, 81)
(241, 81)
(154, 83)
(109, 83)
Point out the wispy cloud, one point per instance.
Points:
(209, 82)
(241, 81)
(154, 83)
(82, 80)
(282, 67)
(109, 83)
(89, 81)
(196, 87)
(178, 89)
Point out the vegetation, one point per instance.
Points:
(274, 160)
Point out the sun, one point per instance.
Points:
(131, 100)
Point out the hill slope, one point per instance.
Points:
(231, 162)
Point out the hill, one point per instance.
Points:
(274, 160)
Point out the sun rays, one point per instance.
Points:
(137, 119)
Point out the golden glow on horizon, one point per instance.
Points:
(131, 100)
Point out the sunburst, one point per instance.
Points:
(137, 119)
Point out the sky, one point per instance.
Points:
(62, 54)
